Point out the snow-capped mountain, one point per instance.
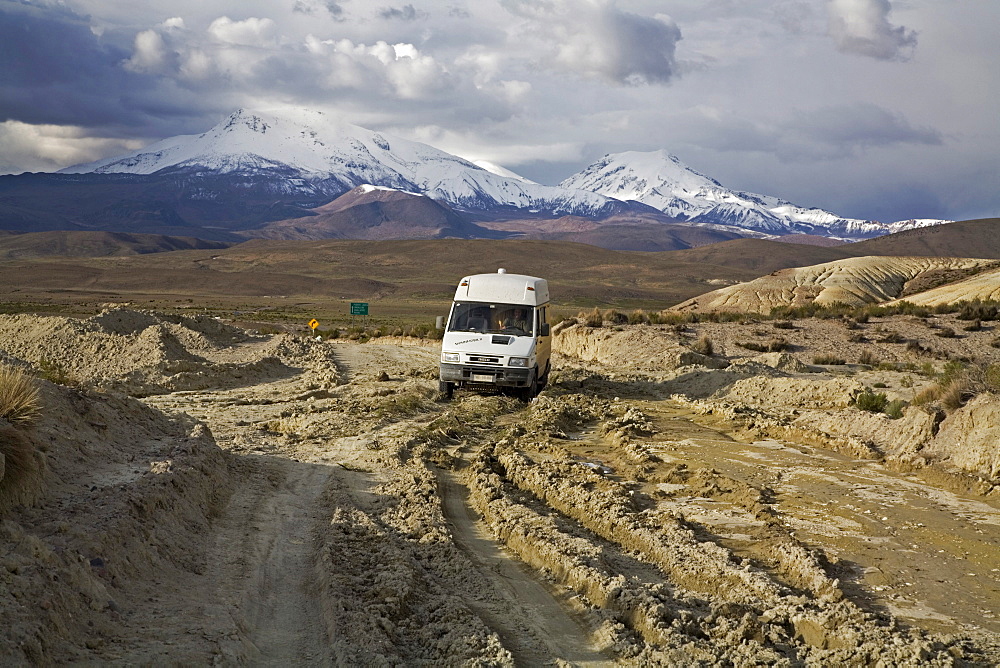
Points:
(313, 155)
(662, 181)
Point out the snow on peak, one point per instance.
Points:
(662, 181)
(307, 146)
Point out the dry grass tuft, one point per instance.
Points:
(19, 401)
(20, 406)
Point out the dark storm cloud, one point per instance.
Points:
(334, 9)
(404, 13)
(602, 41)
(641, 49)
(53, 69)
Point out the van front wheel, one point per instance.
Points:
(447, 389)
(530, 391)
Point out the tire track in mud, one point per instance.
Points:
(281, 616)
(532, 623)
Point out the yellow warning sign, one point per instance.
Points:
(314, 323)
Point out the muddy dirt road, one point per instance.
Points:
(357, 518)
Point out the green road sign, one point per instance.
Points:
(359, 308)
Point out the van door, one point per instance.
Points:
(543, 343)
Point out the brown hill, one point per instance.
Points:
(94, 244)
(762, 256)
(367, 212)
(967, 238)
(854, 281)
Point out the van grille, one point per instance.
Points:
(480, 359)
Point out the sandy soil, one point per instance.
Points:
(203, 495)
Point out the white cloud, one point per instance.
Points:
(26, 147)
(149, 53)
(862, 27)
(249, 32)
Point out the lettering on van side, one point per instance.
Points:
(462, 343)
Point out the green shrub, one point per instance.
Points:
(871, 401)
(946, 333)
(894, 408)
(54, 372)
(638, 317)
(977, 310)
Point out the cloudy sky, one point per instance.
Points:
(884, 109)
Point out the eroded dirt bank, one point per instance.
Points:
(208, 495)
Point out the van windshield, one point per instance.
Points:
(513, 319)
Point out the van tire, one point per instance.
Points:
(447, 389)
(530, 391)
(544, 380)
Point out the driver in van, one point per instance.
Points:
(516, 319)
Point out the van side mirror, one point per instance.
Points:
(439, 322)
(544, 329)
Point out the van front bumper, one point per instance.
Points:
(465, 374)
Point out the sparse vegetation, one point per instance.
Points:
(703, 345)
(827, 358)
(873, 402)
(775, 345)
(893, 337)
(19, 400)
(894, 409)
(946, 333)
(54, 372)
(868, 358)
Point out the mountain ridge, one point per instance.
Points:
(252, 170)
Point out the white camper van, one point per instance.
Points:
(497, 335)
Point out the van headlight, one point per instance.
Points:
(518, 361)
(452, 357)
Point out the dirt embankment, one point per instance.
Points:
(203, 495)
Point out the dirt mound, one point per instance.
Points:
(854, 281)
(144, 353)
(794, 392)
(112, 469)
(968, 437)
(631, 349)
